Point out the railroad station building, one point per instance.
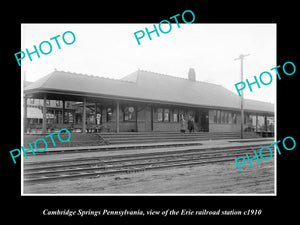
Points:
(142, 101)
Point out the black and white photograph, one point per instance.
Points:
(164, 115)
(159, 117)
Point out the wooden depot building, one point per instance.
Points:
(142, 101)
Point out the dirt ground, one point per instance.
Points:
(217, 178)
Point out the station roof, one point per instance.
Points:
(146, 86)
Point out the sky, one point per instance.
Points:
(111, 50)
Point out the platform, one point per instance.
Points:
(110, 150)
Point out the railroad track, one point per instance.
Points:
(35, 172)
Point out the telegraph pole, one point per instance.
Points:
(241, 57)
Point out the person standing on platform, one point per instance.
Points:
(182, 124)
(191, 127)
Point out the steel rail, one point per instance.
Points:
(109, 167)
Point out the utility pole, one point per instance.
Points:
(241, 57)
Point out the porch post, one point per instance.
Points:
(84, 116)
(266, 123)
(63, 112)
(256, 128)
(118, 116)
(151, 115)
(136, 109)
(96, 113)
(25, 115)
(44, 116)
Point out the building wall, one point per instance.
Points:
(166, 126)
(146, 114)
(141, 118)
(170, 124)
(252, 121)
(127, 126)
(143, 123)
(148, 121)
(124, 126)
(224, 127)
(228, 124)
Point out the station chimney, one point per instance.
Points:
(192, 75)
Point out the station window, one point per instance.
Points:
(50, 116)
(109, 114)
(270, 123)
(58, 116)
(226, 117)
(261, 123)
(57, 103)
(166, 115)
(47, 102)
(246, 118)
(159, 114)
(175, 115)
(222, 117)
(163, 115)
(129, 114)
(91, 119)
(68, 117)
(181, 116)
(31, 100)
(98, 114)
(234, 118)
(215, 116)
(218, 116)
